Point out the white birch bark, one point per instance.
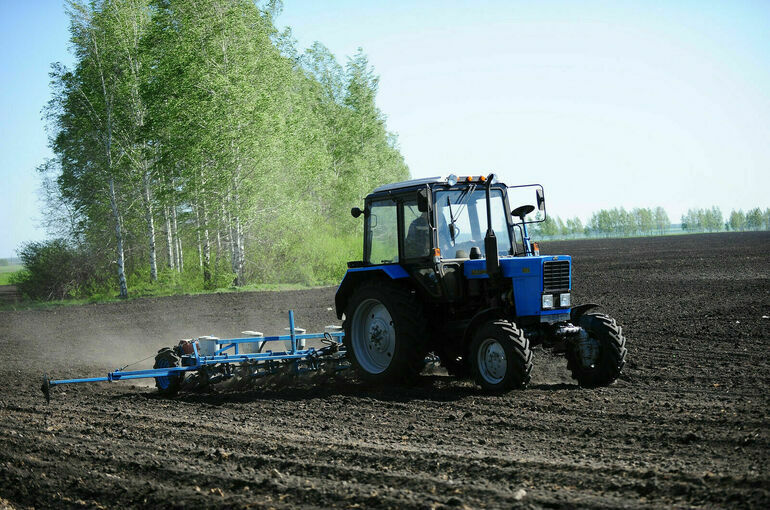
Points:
(198, 236)
(119, 238)
(169, 238)
(206, 246)
(149, 218)
(178, 242)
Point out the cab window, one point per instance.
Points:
(382, 232)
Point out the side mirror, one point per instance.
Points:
(540, 199)
(356, 212)
(422, 200)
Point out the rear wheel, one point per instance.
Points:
(168, 385)
(385, 333)
(597, 357)
(500, 357)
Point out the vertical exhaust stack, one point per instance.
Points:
(490, 241)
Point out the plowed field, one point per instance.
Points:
(685, 426)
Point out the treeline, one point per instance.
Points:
(608, 222)
(711, 220)
(194, 145)
(618, 222)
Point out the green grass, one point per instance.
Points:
(162, 292)
(7, 271)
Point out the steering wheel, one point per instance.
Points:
(522, 211)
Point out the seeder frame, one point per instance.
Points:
(227, 353)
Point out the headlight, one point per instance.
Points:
(564, 300)
(547, 301)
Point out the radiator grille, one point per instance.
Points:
(555, 275)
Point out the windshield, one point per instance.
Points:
(462, 222)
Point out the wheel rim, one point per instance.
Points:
(374, 337)
(491, 361)
(163, 381)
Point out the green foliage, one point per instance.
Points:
(619, 222)
(737, 220)
(55, 270)
(699, 220)
(606, 222)
(754, 219)
(660, 219)
(196, 147)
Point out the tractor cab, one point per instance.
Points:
(444, 218)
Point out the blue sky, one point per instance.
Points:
(633, 104)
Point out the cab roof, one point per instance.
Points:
(408, 184)
(426, 180)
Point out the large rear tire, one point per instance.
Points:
(386, 336)
(500, 357)
(168, 386)
(598, 358)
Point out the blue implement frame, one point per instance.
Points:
(225, 352)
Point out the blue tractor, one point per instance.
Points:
(449, 268)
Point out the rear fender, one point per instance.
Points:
(356, 276)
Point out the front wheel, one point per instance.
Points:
(597, 356)
(500, 357)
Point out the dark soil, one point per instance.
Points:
(685, 426)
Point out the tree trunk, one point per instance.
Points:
(198, 235)
(239, 241)
(148, 213)
(206, 246)
(178, 245)
(169, 238)
(233, 251)
(119, 239)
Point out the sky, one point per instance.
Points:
(606, 104)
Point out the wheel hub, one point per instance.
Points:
(378, 335)
(492, 361)
(373, 336)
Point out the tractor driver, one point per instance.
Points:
(417, 242)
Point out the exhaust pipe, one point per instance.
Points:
(490, 241)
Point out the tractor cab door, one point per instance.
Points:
(398, 232)
(418, 240)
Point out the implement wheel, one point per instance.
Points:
(168, 386)
(500, 357)
(597, 358)
(386, 336)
